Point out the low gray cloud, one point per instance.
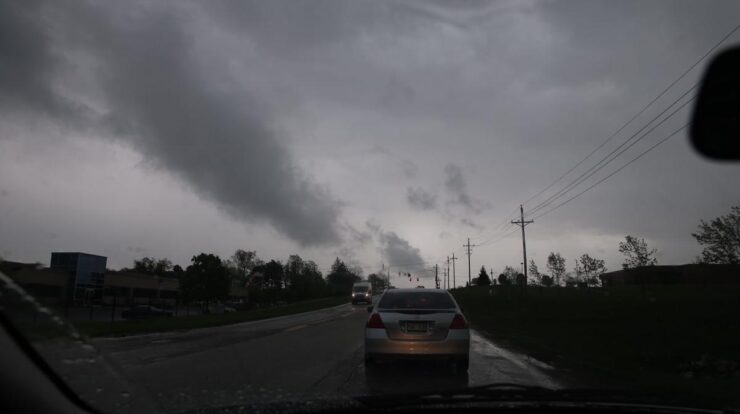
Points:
(470, 223)
(457, 187)
(395, 250)
(137, 250)
(172, 107)
(398, 251)
(421, 199)
(356, 236)
(410, 170)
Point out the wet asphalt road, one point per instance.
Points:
(318, 353)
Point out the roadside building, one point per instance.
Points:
(77, 279)
(86, 273)
(52, 285)
(718, 274)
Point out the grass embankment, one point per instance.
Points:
(123, 328)
(680, 340)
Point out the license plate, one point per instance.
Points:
(416, 326)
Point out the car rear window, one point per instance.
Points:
(416, 300)
(360, 288)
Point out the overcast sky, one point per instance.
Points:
(378, 132)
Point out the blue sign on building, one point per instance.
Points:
(88, 271)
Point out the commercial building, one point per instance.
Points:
(76, 279)
(87, 273)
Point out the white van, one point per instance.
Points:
(362, 292)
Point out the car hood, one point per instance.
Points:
(492, 397)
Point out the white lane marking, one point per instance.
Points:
(295, 328)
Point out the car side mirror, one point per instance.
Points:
(370, 309)
(715, 122)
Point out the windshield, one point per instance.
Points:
(416, 300)
(208, 204)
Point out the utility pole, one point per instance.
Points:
(387, 275)
(448, 273)
(469, 250)
(523, 223)
(454, 282)
(436, 278)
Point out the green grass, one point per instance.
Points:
(123, 328)
(672, 339)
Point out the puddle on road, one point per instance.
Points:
(489, 363)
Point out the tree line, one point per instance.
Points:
(719, 238)
(209, 278)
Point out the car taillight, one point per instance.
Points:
(375, 322)
(459, 322)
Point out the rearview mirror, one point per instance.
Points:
(715, 123)
(370, 309)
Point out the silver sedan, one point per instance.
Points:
(417, 323)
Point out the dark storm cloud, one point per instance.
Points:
(421, 199)
(27, 62)
(175, 109)
(511, 94)
(394, 249)
(398, 251)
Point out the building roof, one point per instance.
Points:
(81, 254)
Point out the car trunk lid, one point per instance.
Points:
(417, 325)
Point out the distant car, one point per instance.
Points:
(417, 323)
(145, 311)
(218, 308)
(420, 287)
(362, 292)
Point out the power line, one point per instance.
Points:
(599, 165)
(610, 156)
(502, 237)
(503, 226)
(640, 112)
(615, 171)
(506, 224)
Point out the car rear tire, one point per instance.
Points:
(370, 362)
(461, 365)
